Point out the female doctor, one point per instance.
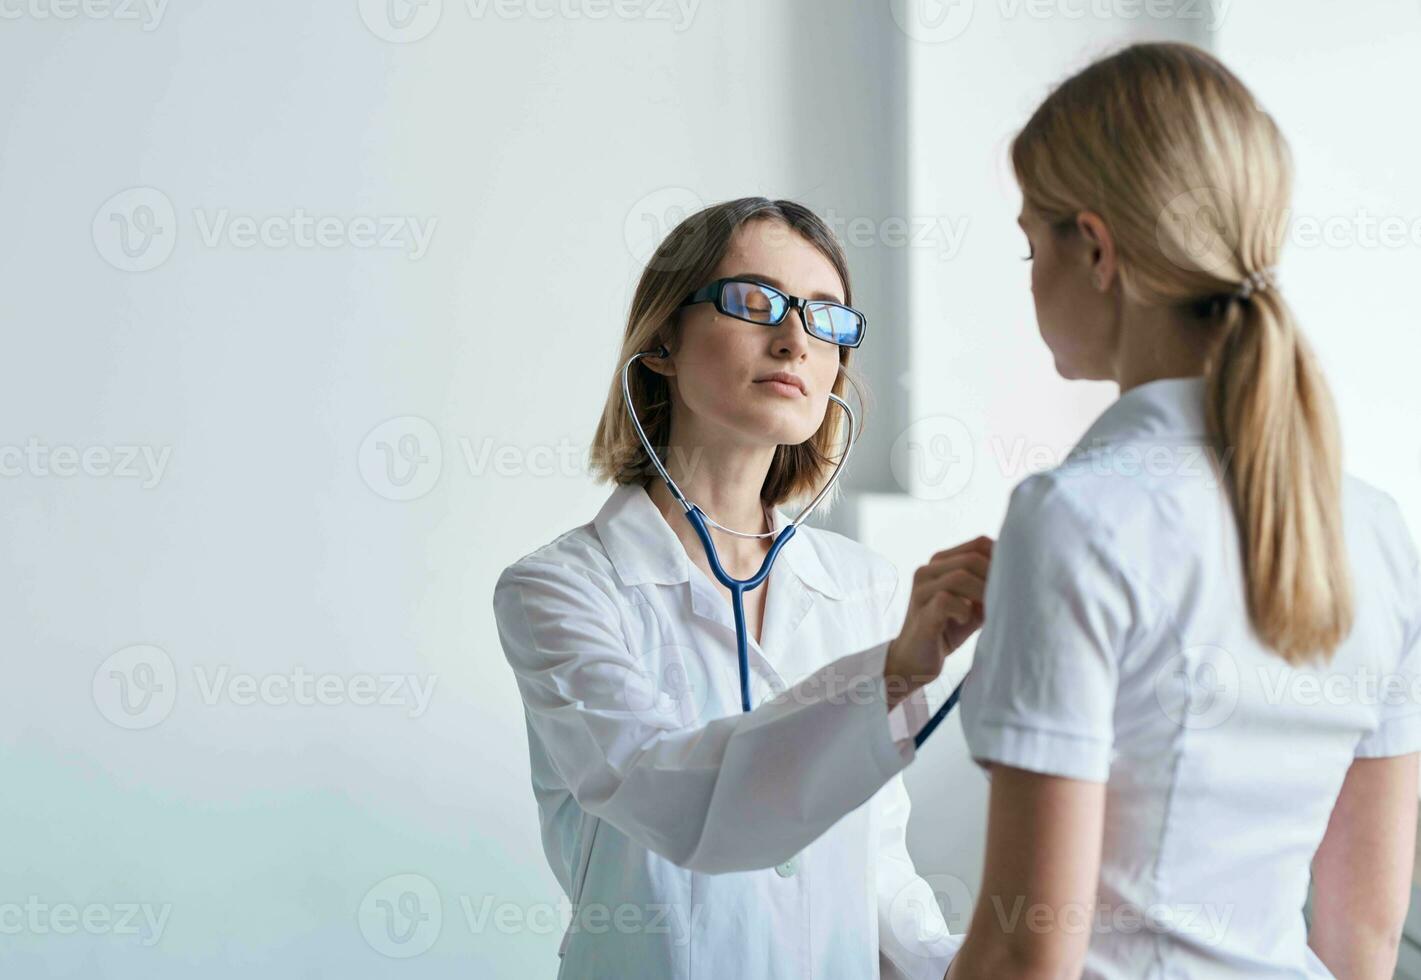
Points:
(695, 839)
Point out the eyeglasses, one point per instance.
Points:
(746, 299)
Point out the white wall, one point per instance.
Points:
(544, 152)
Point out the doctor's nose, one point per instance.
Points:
(791, 340)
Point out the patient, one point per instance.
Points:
(1198, 678)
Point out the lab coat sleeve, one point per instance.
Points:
(913, 939)
(738, 793)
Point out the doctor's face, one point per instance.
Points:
(723, 366)
(1076, 321)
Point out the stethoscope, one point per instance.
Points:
(738, 587)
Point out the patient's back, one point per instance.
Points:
(1118, 648)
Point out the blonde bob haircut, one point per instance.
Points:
(1193, 179)
(685, 261)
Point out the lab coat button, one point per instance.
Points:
(785, 870)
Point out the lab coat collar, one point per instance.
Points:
(1170, 410)
(640, 543)
(644, 549)
(803, 557)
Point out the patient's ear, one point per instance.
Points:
(1099, 251)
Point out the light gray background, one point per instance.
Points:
(155, 166)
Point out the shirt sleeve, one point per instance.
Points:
(741, 792)
(1398, 730)
(913, 939)
(1041, 693)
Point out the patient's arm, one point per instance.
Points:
(1035, 910)
(1362, 871)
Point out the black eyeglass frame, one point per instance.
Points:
(714, 292)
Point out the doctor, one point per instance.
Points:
(695, 839)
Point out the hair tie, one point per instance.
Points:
(1256, 282)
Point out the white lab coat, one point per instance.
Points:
(695, 840)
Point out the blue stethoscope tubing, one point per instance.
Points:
(738, 587)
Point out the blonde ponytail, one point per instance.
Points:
(1269, 406)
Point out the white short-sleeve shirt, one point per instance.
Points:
(1118, 649)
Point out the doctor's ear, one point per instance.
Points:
(662, 365)
(1099, 250)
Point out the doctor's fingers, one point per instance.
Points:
(982, 545)
(967, 584)
(964, 575)
(940, 607)
(973, 561)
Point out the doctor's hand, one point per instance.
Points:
(945, 608)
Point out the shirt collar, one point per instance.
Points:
(1167, 409)
(643, 548)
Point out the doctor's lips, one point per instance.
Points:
(784, 383)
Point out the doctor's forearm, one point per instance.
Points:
(796, 765)
(746, 791)
(900, 683)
